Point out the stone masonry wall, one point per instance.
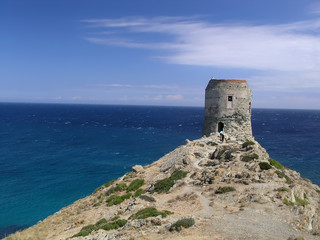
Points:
(236, 120)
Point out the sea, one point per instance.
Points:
(53, 154)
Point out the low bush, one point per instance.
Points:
(113, 225)
(97, 204)
(147, 198)
(135, 184)
(101, 224)
(283, 175)
(163, 185)
(149, 212)
(120, 187)
(247, 143)
(110, 191)
(283, 189)
(108, 184)
(138, 192)
(219, 155)
(265, 166)
(115, 199)
(276, 164)
(300, 201)
(287, 202)
(249, 158)
(186, 223)
(212, 143)
(226, 189)
(85, 231)
(178, 174)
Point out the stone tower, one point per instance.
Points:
(228, 108)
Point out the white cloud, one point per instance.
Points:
(158, 98)
(283, 47)
(153, 86)
(287, 56)
(315, 8)
(174, 97)
(114, 85)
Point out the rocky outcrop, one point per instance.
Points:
(204, 189)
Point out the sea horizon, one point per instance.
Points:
(140, 105)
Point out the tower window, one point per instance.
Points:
(230, 102)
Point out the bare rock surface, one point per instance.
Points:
(230, 190)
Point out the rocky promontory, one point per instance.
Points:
(204, 189)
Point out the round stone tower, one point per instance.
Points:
(228, 108)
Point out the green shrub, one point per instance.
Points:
(138, 192)
(212, 143)
(85, 231)
(287, 202)
(115, 199)
(249, 158)
(186, 223)
(276, 164)
(300, 201)
(219, 155)
(162, 186)
(97, 189)
(110, 191)
(120, 187)
(135, 184)
(97, 204)
(114, 223)
(100, 223)
(265, 166)
(149, 212)
(178, 174)
(108, 184)
(247, 143)
(318, 191)
(283, 175)
(115, 218)
(226, 189)
(129, 175)
(283, 189)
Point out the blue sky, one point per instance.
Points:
(148, 52)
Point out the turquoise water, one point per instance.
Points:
(52, 155)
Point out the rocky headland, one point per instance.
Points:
(204, 189)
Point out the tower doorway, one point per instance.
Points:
(220, 126)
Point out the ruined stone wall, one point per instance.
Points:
(235, 115)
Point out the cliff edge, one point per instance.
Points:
(204, 189)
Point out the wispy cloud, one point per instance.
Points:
(174, 97)
(283, 47)
(315, 8)
(151, 86)
(114, 85)
(284, 58)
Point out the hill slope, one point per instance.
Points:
(219, 191)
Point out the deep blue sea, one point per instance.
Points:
(51, 155)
